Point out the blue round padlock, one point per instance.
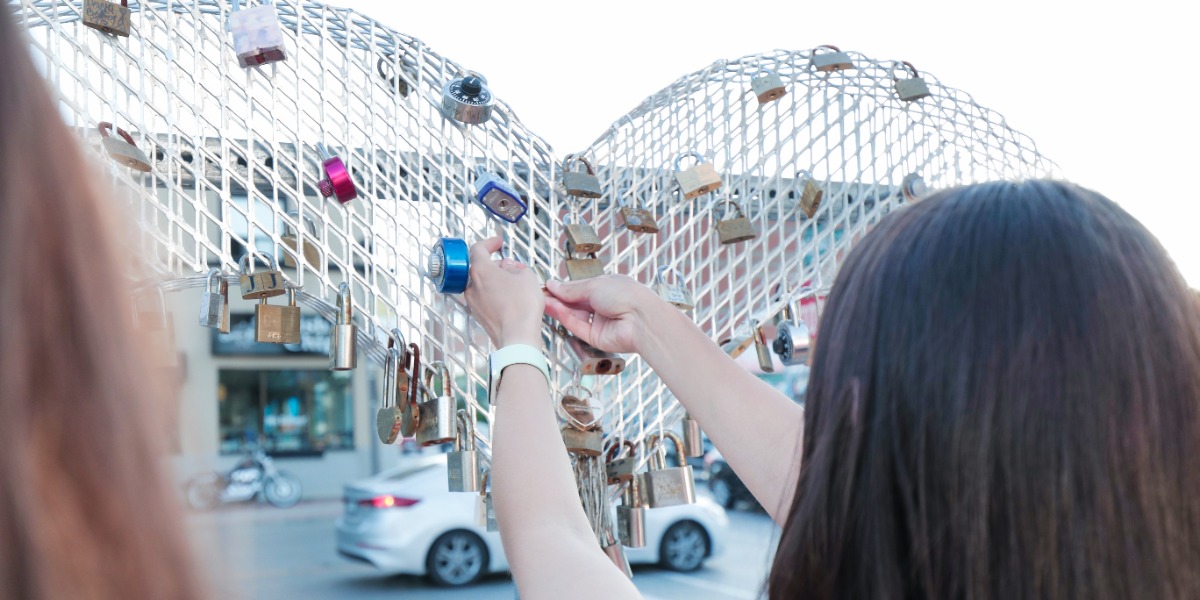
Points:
(450, 265)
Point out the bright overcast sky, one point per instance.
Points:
(1105, 89)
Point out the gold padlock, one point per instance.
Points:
(582, 237)
(700, 178)
(637, 219)
(768, 86)
(291, 239)
(810, 197)
(734, 230)
(580, 184)
(912, 88)
(263, 284)
(833, 60)
(109, 17)
(582, 268)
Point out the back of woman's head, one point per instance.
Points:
(1004, 403)
(85, 511)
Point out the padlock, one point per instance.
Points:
(631, 516)
(674, 291)
(636, 218)
(662, 486)
(449, 265)
(616, 553)
(158, 326)
(761, 347)
(410, 414)
(257, 36)
(462, 462)
(582, 268)
(437, 423)
(734, 347)
(268, 322)
(913, 187)
(486, 516)
(700, 178)
(499, 197)
(832, 60)
(109, 17)
(793, 342)
(291, 239)
(736, 230)
(583, 184)
(768, 86)
(123, 150)
(213, 304)
(810, 197)
(467, 99)
(584, 443)
(581, 235)
(264, 284)
(576, 408)
(910, 89)
(336, 181)
(620, 467)
(343, 336)
(592, 360)
(224, 328)
(395, 83)
(693, 438)
(387, 419)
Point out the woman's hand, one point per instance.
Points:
(608, 312)
(505, 297)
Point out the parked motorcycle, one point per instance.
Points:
(254, 474)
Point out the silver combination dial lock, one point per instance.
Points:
(468, 100)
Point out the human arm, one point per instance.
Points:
(550, 546)
(757, 429)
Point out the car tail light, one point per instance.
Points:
(388, 501)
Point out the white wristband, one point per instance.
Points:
(511, 355)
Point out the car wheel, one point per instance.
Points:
(282, 490)
(684, 546)
(456, 558)
(203, 492)
(722, 492)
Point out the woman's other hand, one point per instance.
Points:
(608, 312)
(505, 297)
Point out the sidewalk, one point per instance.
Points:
(314, 510)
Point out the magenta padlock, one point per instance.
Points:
(337, 180)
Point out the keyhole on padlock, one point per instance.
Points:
(603, 366)
(472, 86)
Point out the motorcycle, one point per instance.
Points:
(254, 474)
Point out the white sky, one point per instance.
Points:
(1104, 89)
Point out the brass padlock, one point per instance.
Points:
(213, 304)
(438, 421)
(581, 236)
(674, 291)
(263, 284)
(486, 511)
(662, 486)
(810, 196)
(768, 86)
(582, 268)
(912, 88)
(636, 218)
(290, 321)
(700, 178)
(291, 239)
(761, 347)
(631, 516)
(343, 336)
(592, 360)
(109, 17)
(913, 187)
(387, 419)
(123, 150)
(831, 60)
(224, 328)
(410, 414)
(584, 443)
(619, 466)
(583, 184)
(462, 462)
(734, 230)
(693, 438)
(268, 322)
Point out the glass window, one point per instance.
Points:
(287, 411)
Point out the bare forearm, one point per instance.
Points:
(757, 429)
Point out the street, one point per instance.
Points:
(260, 552)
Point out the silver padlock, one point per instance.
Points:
(592, 360)
(693, 438)
(583, 184)
(257, 35)
(810, 196)
(581, 267)
(224, 328)
(487, 512)
(768, 86)
(467, 99)
(438, 423)
(674, 291)
(213, 305)
(263, 284)
(833, 59)
(736, 229)
(109, 17)
(913, 187)
(911, 88)
(123, 149)
(793, 342)
(700, 178)
(582, 442)
(662, 486)
(343, 339)
(291, 239)
(761, 347)
(387, 419)
(616, 553)
(631, 516)
(462, 474)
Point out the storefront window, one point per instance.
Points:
(286, 411)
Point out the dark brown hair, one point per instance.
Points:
(1004, 404)
(85, 508)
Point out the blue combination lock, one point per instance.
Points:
(449, 265)
(498, 196)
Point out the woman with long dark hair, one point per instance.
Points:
(1004, 403)
(86, 511)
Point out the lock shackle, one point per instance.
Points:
(570, 250)
(764, 70)
(345, 305)
(105, 126)
(213, 277)
(391, 367)
(584, 396)
(325, 155)
(436, 369)
(614, 451)
(805, 174)
(656, 442)
(679, 159)
(246, 266)
(829, 46)
(464, 438)
(906, 66)
(307, 220)
(668, 270)
(414, 352)
(483, 483)
(726, 202)
(571, 159)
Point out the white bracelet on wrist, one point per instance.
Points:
(511, 355)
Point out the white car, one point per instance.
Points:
(405, 521)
